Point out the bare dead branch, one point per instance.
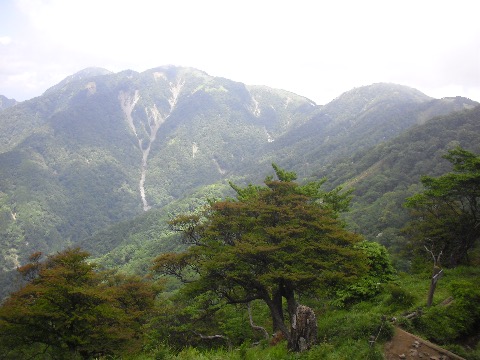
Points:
(213, 337)
(256, 327)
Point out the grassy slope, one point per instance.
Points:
(344, 333)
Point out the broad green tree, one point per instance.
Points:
(68, 310)
(271, 243)
(446, 215)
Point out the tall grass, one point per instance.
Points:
(344, 333)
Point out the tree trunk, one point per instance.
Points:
(276, 312)
(303, 323)
(292, 304)
(437, 273)
(278, 304)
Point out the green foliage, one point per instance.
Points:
(68, 310)
(354, 324)
(380, 271)
(378, 260)
(466, 353)
(446, 214)
(399, 297)
(276, 244)
(447, 324)
(350, 349)
(185, 320)
(355, 350)
(278, 352)
(387, 174)
(283, 175)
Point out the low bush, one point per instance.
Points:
(380, 272)
(447, 324)
(342, 325)
(399, 297)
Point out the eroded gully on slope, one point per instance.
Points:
(155, 119)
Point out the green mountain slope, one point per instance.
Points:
(358, 120)
(382, 177)
(100, 148)
(385, 175)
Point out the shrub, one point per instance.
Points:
(445, 324)
(354, 325)
(380, 271)
(399, 297)
(351, 349)
(469, 354)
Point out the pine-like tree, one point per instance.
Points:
(271, 243)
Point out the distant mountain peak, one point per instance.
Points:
(439, 107)
(6, 102)
(91, 71)
(85, 74)
(80, 75)
(387, 90)
(362, 99)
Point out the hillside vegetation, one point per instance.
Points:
(243, 256)
(96, 173)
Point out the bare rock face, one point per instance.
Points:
(304, 329)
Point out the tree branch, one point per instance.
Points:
(256, 327)
(213, 337)
(246, 300)
(435, 259)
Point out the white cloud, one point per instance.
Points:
(316, 49)
(5, 40)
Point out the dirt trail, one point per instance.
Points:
(146, 137)
(408, 346)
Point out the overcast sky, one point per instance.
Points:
(318, 49)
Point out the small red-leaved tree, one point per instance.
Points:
(69, 310)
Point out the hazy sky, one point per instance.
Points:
(318, 49)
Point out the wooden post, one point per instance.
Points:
(437, 274)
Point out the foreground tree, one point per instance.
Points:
(68, 310)
(446, 215)
(271, 243)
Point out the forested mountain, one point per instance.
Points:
(100, 148)
(357, 120)
(382, 178)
